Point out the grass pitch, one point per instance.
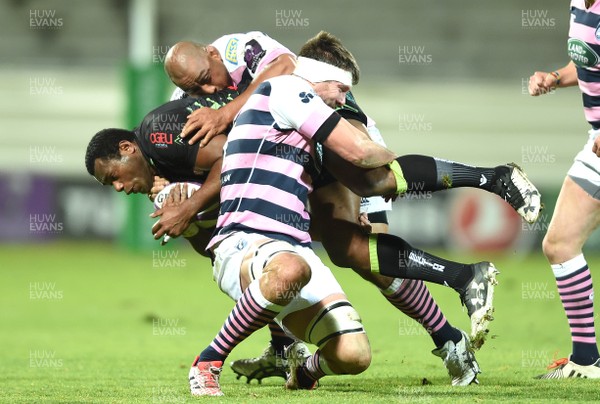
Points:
(91, 323)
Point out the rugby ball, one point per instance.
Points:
(204, 220)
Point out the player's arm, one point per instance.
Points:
(543, 82)
(205, 123)
(174, 220)
(199, 240)
(363, 182)
(357, 148)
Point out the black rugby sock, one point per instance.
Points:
(392, 256)
(445, 334)
(279, 338)
(428, 174)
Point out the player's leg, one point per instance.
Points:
(334, 326)
(576, 216)
(345, 205)
(346, 354)
(335, 209)
(270, 274)
(430, 174)
(391, 256)
(323, 316)
(412, 297)
(334, 222)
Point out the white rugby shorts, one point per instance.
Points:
(585, 170)
(230, 253)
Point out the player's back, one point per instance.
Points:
(267, 172)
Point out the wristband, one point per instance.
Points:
(556, 75)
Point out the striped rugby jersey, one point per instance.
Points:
(270, 161)
(584, 51)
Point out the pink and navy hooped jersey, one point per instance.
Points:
(270, 161)
(584, 51)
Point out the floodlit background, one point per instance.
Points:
(90, 313)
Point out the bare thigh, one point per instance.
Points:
(575, 217)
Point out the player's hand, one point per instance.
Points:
(596, 147)
(158, 185)
(174, 219)
(365, 223)
(541, 83)
(205, 123)
(391, 197)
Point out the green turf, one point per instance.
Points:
(91, 323)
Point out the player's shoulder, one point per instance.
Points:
(286, 89)
(161, 127)
(288, 83)
(172, 111)
(227, 45)
(232, 46)
(291, 100)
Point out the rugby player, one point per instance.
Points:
(334, 204)
(128, 160)
(334, 209)
(423, 173)
(268, 165)
(239, 60)
(577, 212)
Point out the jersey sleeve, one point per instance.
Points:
(295, 105)
(248, 53)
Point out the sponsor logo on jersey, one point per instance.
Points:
(253, 54)
(231, 50)
(164, 139)
(161, 139)
(306, 97)
(581, 53)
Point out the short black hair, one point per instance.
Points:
(326, 48)
(105, 145)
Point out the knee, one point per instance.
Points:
(348, 250)
(548, 247)
(284, 277)
(343, 256)
(557, 250)
(337, 253)
(295, 270)
(353, 359)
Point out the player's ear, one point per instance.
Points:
(126, 147)
(213, 52)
